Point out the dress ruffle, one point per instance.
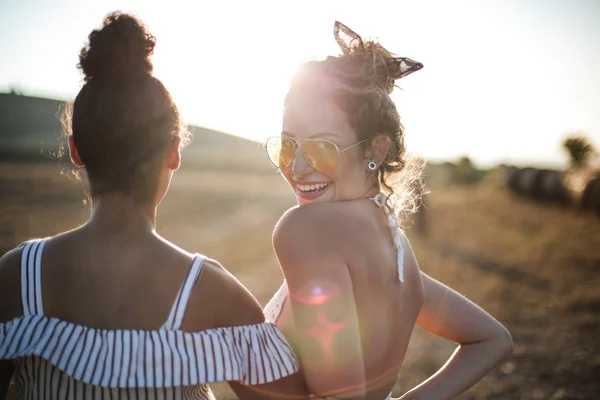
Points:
(252, 354)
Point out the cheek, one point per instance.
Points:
(352, 168)
(342, 176)
(285, 173)
(352, 173)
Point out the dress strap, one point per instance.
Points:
(273, 308)
(382, 201)
(31, 277)
(179, 306)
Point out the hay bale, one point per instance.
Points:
(510, 177)
(537, 185)
(525, 181)
(549, 187)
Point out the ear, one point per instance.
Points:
(379, 148)
(174, 156)
(75, 159)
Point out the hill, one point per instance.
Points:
(30, 128)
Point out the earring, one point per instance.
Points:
(372, 166)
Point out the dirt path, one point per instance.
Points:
(535, 268)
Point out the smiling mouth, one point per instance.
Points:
(318, 187)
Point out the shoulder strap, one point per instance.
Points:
(178, 310)
(31, 277)
(273, 308)
(397, 233)
(382, 201)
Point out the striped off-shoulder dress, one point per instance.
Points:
(55, 359)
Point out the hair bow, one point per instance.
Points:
(350, 42)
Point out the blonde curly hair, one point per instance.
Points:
(360, 82)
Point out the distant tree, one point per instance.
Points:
(15, 90)
(465, 164)
(579, 149)
(465, 172)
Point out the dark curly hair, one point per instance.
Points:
(360, 84)
(123, 118)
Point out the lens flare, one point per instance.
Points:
(324, 331)
(315, 294)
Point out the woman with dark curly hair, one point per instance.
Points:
(112, 308)
(353, 290)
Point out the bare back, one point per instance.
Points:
(387, 308)
(121, 281)
(106, 293)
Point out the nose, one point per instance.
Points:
(300, 166)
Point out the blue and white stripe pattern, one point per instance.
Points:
(55, 359)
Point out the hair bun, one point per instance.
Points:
(379, 65)
(120, 50)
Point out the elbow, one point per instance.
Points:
(497, 345)
(505, 343)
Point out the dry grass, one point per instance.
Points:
(535, 268)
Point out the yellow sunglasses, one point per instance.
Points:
(322, 155)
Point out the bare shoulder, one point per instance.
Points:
(242, 307)
(219, 299)
(329, 211)
(312, 241)
(322, 225)
(10, 284)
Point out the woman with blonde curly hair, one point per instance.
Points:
(353, 290)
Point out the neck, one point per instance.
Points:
(119, 213)
(372, 191)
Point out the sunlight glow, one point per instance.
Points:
(502, 81)
(324, 332)
(316, 294)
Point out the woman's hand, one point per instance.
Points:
(483, 341)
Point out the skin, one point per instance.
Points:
(131, 277)
(348, 317)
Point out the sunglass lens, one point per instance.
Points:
(322, 155)
(280, 151)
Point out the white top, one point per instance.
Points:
(55, 359)
(273, 308)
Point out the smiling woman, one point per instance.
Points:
(353, 290)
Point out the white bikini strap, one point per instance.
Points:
(31, 277)
(178, 310)
(381, 200)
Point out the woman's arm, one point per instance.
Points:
(11, 307)
(221, 298)
(326, 334)
(483, 341)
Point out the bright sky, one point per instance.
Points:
(504, 80)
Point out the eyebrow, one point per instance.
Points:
(315, 136)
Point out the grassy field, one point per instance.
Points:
(535, 268)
